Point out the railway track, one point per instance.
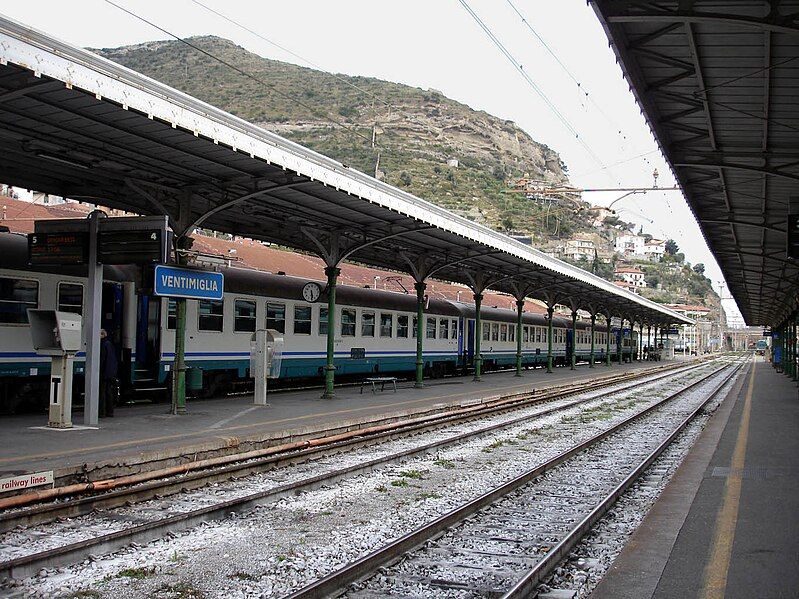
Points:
(507, 541)
(132, 532)
(74, 500)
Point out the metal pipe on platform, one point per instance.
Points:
(330, 368)
(550, 312)
(478, 336)
(519, 312)
(420, 287)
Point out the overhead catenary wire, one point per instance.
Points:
(239, 70)
(566, 70)
(518, 66)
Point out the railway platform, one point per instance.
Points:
(726, 525)
(144, 434)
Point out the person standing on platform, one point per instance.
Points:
(108, 375)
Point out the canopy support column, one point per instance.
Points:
(620, 343)
(607, 341)
(519, 312)
(550, 312)
(640, 348)
(478, 336)
(420, 287)
(332, 273)
(593, 341)
(574, 340)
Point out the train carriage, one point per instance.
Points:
(375, 331)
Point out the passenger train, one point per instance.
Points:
(375, 330)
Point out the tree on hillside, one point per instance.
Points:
(699, 268)
(671, 247)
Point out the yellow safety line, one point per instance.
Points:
(715, 580)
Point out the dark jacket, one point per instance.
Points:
(108, 360)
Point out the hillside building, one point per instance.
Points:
(630, 275)
(655, 249)
(630, 245)
(579, 249)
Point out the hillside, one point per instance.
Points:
(435, 147)
(416, 137)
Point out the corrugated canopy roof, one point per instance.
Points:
(719, 84)
(77, 125)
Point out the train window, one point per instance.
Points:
(302, 320)
(322, 321)
(486, 331)
(526, 334)
(244, 316)
(538, 334)
(276, 316)
(503, 332)
(16, 296)
(402, 326)
(415, 327)
(367, 324)
(431, 328)
(386, 325)
(70, 297)
(443, 328)
(453, 328)
(348, 320)
(171, 313)
(209, 315)
(494, 331)
(511, 333)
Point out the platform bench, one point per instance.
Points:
(382, 380)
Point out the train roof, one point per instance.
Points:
(14, 256)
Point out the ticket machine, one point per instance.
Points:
(266, 354)
(58, 335)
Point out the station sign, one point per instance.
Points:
(55, 249)
(171, 281)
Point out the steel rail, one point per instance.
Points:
(526, 586)
(337, 581)
(73, 552)
(194, 475)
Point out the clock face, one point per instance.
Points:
(311, 292)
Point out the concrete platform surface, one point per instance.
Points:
(727, 524)
(145, 431)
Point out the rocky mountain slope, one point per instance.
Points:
(418, 133)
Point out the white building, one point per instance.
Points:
(630, 245)
(630, 275)
(654, 250)
(579, 249)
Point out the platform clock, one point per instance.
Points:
(311, 292)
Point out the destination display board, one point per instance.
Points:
(131, 247)
(171, 281)
(58, 249)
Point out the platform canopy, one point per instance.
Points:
(719, 84)
(75, 124)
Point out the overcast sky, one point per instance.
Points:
(437, 44)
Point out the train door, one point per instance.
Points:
(569, 343)
(469, 343)
(148, 327)
(111, 317)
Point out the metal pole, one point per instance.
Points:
(550, 311)
(478, 336)
(574, 340)
(649, 338)
(519, 311)
(619, 354)
(607, 343)
(420, 287)
(94, 296)
(179, 364)
(330, 368)
(593, 323)
(794, 368)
